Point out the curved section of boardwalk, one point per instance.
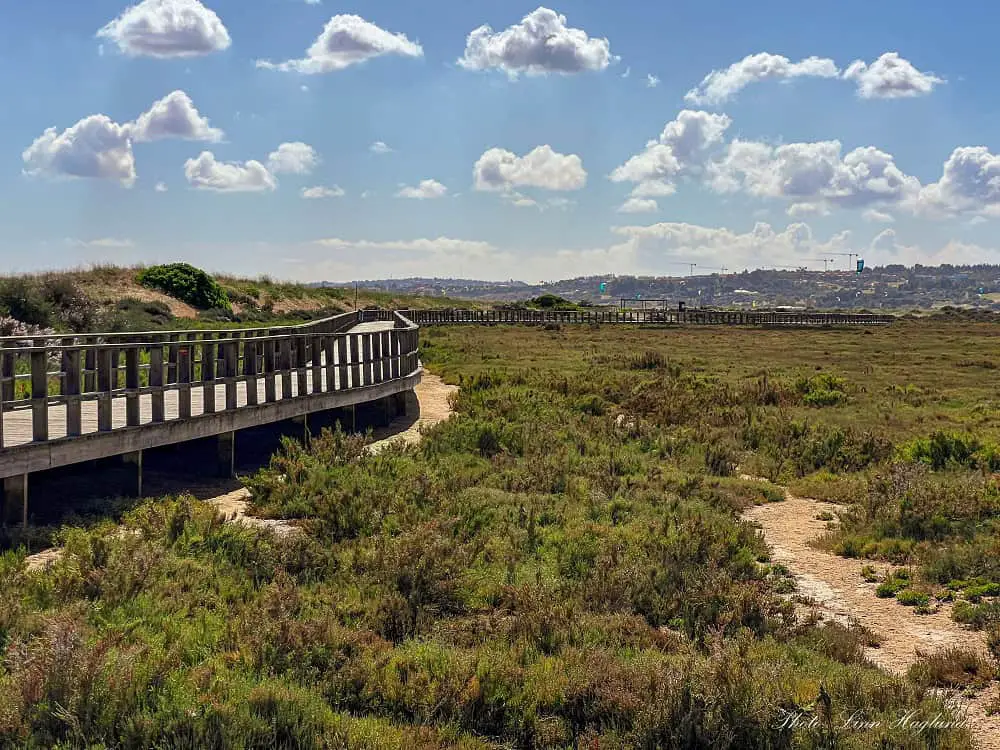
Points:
(69, 400)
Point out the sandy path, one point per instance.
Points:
(841, 594)
(426, 406)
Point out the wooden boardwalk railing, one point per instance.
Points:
(649, 316)
(64, 388)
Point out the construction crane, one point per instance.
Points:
(852, 256)
(825, 261)
(691, 266)
(710, 268)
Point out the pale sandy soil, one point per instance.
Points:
(427, 406)
(841, 594)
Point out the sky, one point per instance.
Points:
(320, 140)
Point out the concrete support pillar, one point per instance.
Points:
(303, 421)
(401, 400)
(135, 459)
(227, 455)
(15, 500)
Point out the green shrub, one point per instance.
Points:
(23, 299)
(952, 668)
(186, 283)
(911, 598)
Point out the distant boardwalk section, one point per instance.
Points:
(75, 399)
(647, 317)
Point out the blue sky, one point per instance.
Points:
(520, 151)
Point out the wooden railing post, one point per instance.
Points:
(132, 386)
(157, 379)
(317, 347)
(301, 364)
(366, 359)
(250, 367)
(285, 365)
(342, 357)
(355, 342)
(40, 395)
(377, 358)
(230, 357)
(208, 356)
(330, 352)
(185, 374)
(71, 391)
(270, 391)
(104, 388)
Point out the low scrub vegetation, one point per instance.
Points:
(561, 565)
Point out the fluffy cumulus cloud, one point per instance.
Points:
(542, 167)
(207, 173)
(380, 147)
(320, 191)
(427, 189)
(890, 77)
(813, 176)
(174, 116)
(167, 28)
(970, 183)
(347, 40)
(99, 148)
(886, 249)
(639, 206)
(293, 158)
(721, 85)
(653, 248)
(682, 149)
(541, 43)
(96, 147)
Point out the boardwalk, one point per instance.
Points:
(70, 400)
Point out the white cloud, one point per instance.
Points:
(887, 249)
(443, 245)
(115, 243)
(721, 85)
(427, 189)
(379, 147)
(161, 187)
(174, 116)
(501, 170)
(96, 147)
(890, 77)
(540, 44)
(293, 158)
(652, 81)
(877, 217)
(652, 248)
(167, 28)
(347, 40)
(970, 183)
(639, 206)
(814, 174)
(627, 73)
(206, 173)
(682, 149)
(315, 193)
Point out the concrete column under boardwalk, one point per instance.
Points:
(135, 459)
(227, 454)
(15, 500)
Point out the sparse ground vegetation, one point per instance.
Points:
(561, 565)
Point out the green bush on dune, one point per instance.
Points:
(186, 283)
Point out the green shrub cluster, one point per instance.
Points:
(48, 302)
(944, 450)
(186, 283)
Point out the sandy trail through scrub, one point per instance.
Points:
(841, 594)
(429, 404)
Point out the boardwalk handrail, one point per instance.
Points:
(311, 359)
(648, 316)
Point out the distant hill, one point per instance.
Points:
(892, 287)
